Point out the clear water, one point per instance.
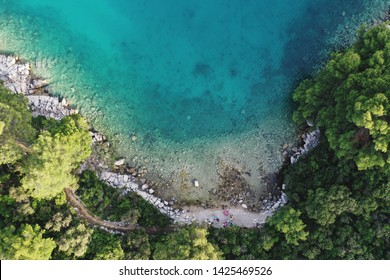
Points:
(203, 84)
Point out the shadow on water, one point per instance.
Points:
(306, 48)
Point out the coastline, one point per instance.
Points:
(17, 76)
(171, 167)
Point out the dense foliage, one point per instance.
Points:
(54, 157)
(339, 193)
(346, 210)
(350, 100)
(110, 204)
(188, 243)
(38, 159)
(26, 243)
(16, 131)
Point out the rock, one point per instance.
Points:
(151, 191)
(283, 186)
(310, 122)
(15, 75)
(144, 187)
(120, 162)
(133, 137)
(196, 183)
(283, 198)
(63, 102)
(276, 205)
(48, 106)
(133, 172)
(244, 206)
(310, 140)
(97, 137)
(132, 186)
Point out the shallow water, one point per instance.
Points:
(202, 84)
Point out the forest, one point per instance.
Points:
(339, 192)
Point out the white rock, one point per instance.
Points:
(151, 191)
(144, 187)
(120, 162)
(276, 205)
(196, 183)
(244, 206)
(284, 198)
(310, 123)
(64, 103)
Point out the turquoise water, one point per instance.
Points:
(198, 82)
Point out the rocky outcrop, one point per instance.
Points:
(16, 76)
(310, 140)
(49, 106)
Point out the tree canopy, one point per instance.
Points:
(16, 131)
(186, 244)
(350, 100)
(287, 221)
(54, 157)
(25, 243)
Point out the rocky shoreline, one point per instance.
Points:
(16, 75)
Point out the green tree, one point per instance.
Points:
(55, 156)
(325, 205)
(349, 99)
(58, 221)
(74, 241)
(287, 221)
(188, 243)
(104, 246)
(26, 243)
(136, 245)
(16, 132)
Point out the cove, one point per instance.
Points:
(189, 89)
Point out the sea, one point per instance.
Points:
(187, 89)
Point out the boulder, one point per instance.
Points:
(196, 183)
(283, 198)
(120, 162)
